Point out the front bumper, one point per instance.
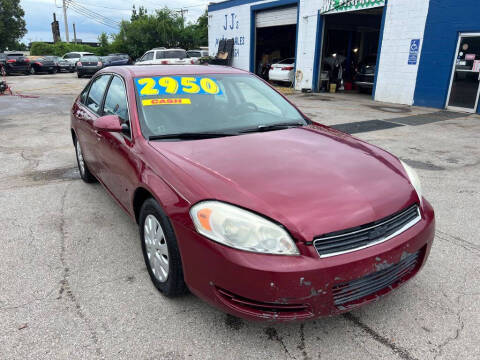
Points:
(284, 288)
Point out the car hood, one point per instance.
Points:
(313, 180)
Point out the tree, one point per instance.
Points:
(163, 28)
(104, 48)
(12, 24)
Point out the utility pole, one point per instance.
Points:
(182, 11)
(65, 19)
(74, 34)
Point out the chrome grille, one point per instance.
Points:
(345, 241)
(375, 282)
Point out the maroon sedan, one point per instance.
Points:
(242, 199)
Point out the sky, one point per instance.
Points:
(39, 15)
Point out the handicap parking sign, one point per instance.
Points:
(414, 50)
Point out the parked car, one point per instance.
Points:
(242, 199)
(196, 55)
(165, 57)
(40, 64)
(61, 64)
(88, 65)
(15, 63)
(365, 77)
(74, 57)
(283, 71)
(116, 60)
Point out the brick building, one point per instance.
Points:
(421, 52)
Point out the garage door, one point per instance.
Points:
(276, 17)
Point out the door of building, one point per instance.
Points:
(465, 83)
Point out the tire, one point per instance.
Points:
(79, 75)
(165, 268)
(85, 174)
(72, 71)
(32, 70)
(54, 71)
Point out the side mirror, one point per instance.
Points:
(110, 123)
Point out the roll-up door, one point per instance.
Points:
(276, 17)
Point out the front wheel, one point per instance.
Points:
(160, 250)
(85, 174)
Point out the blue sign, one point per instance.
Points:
(414, 50)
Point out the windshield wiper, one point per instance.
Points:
(270, 127)
(192, 135)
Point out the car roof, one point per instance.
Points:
(160, 70)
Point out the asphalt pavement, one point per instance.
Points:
(73, 284)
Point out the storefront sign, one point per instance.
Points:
(414, 50)
(336, 6)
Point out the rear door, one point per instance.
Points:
(86, 111)
(117, 160)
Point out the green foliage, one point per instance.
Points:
(104, 48)
(12, 24)
(164, 28)
(60, 48)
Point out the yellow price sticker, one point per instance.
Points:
(149, 102)
(177, 85)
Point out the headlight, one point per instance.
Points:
(414, 179)
(241, 229)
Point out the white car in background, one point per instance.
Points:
(195, 55)
(162, 56)
(74, 57)
(283, 71)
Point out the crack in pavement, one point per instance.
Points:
(65, 283)
(273, 335)
(401, 352)
(455, 240)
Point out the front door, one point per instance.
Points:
(465, 83)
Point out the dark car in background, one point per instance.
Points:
(15, 63)
(61, 64)
(40, 64)
(365, 76)
(117, 60)
(89, 65)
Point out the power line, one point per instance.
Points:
(92, 15)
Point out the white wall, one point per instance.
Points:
(405, 20)
(307, 30)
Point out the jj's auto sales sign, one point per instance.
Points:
(335, 6)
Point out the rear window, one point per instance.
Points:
(288, 61)
(90, 59)
(71, 56)
(174, 54)
(194, 53)
(14, 56)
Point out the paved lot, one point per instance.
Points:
(73, 283)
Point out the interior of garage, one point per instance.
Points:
(275, 37)
(350, 45)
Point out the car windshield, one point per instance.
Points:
(90, 59)
(217, 103)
